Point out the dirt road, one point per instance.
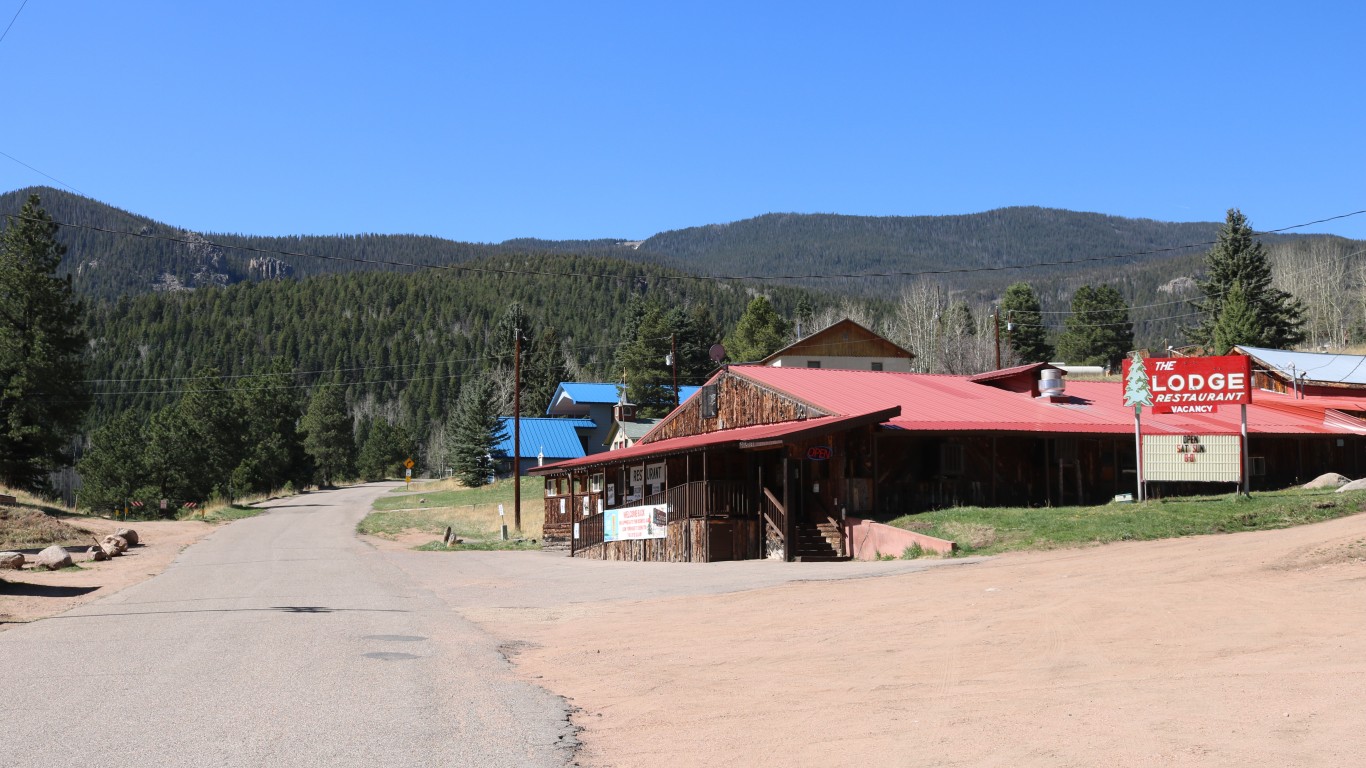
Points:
(1236, 650)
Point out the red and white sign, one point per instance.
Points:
(1196, 384)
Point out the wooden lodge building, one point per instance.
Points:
(782, 461)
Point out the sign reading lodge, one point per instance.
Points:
(1188, 384)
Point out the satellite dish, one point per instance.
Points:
(717, 353)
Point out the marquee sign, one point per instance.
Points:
(1192, 458)
(1188, 384)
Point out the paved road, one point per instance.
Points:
(281, 640)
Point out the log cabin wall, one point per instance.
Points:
(739, 403)
(688, 541)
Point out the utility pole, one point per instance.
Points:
(996, 326)
(517, 428)
(673, 361)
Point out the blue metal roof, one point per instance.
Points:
(556, 438)
(589, 392)
(1313, 366)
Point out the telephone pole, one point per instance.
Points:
(996, 326)
(517, 428)
(673, 361)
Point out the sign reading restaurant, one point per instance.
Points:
(1191, 384)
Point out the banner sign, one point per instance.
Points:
(1188, 384)
(634, 523)
(1193, 458)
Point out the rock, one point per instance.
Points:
(120, 543)
(131, 536)
(450, 534)
(52, 558)
(1355, 485)
(97, 554)
(110, 550)
(11, 561)
(1330, 480)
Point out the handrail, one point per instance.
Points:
(780, 525)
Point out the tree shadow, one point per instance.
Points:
(25, 589)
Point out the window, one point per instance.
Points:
(595, 483)
(813, 363)
(877, 366)
(1257, 466)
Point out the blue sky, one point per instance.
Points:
(488, 121)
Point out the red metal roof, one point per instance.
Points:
(945, 403)
(755, 434)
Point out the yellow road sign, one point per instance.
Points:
(409, 463)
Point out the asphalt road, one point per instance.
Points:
(280, 640)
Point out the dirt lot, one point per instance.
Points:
(1232, 650)
(29, 595)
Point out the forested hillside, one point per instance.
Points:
(401, 342)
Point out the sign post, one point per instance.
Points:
(1189, 385)
(408, 472)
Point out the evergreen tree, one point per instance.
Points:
(1237, 323)
(112, 470)
(1238, 257)
(194, 444)
(760, 332)
(1098, 332)
(643, 363)
(43, 396)
(273, 448)
(328, 434)
(475, 433)
(1023, 326)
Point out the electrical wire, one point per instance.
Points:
(5, 34)
(465, 267)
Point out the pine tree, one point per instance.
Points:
(1098, 332)
(1022, 325)
(642, 361)
(273, 448)
(328, 434)
(1237, 323)
(760, 332)
(1238, 257)
(112, 470)
(43, 397)
(1136, 389)
(194, 444)
(475, 433)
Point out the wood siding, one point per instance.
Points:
(688, 541)
(739, 403)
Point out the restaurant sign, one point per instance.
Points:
(1188, 384)
(650, 521)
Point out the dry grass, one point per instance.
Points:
(965, 534)
(478, 522)
(29, 528)
(432, 486)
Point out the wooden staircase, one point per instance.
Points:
(818, 543)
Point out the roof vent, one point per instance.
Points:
(1051, 384)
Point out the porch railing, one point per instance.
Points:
(774, 513)
(704, 499)
(589, 533)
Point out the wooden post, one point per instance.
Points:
(517, 429)
(1247, 480)
(1138, 451)
(787, 508)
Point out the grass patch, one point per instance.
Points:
(982, 530)
(471, 512)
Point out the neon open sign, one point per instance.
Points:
(819, 452)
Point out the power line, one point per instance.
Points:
(464, 267)
(40, 173)
(4, 34)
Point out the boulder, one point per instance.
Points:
(118, 542)
(129, 535)
(52, 558)
(97, 554)
(1330, 480)
(11, 561)
(1355, 485)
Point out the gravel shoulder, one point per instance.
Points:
(30, 595)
